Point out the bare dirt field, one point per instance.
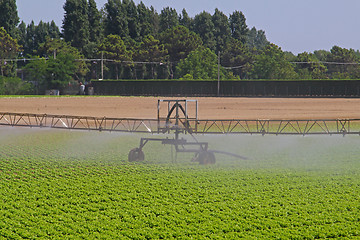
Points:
(209, 108)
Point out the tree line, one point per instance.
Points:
(123, 40)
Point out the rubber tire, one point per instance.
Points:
(136, 155)
(206, 158)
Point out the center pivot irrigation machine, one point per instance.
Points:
(178, 121)
(180, 117)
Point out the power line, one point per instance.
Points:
(83, 60)
(23, 59)
(330, 63)
(241, 66)
(112, 60)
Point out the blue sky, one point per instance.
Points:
(296, 26)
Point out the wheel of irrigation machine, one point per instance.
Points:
(136, 155)
(206, 158)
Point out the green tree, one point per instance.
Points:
(144, 20)
(179, 42)
(9, 18)
(115, 20)
(200, 64)
(168, 19)
(322, 55)
(132, 18)
(185, 20)
(222, 32)
(271, 64)
(238, 57)
(54, 73)
(37, 72)
(58, 64)
(204, 26)
(309, 67)
(30, 41)
(33, 35)
(94, 18)
(54, 31)
(151, 50)
(95, 31)
(113, 47)
(51, 48)
(61, 70)
(155, 20)
(257, 39)
(41, 33)
(14, 86)
(131, 70)
(9, 49)
(22, 34)
(345, 63)
(289, 56)
(76, 23)
(238, 26)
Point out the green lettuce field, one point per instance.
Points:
(60, 184)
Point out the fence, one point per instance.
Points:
(319, 88)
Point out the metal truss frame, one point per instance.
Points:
(234, 126)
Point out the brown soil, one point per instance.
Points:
(209, 108)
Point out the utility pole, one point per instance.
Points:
(102, 65)
(218, 86)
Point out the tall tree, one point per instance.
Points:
(222, 32)
(239, 29)
(34, 35)
(94, 18)
(185, 20)
(95, 31)
(144, 20)
(51, 48)
(238, 57)
(132, 18)
(200, 64)
(54, 31)
(61, 70)
(30, 41)
(271, 64)
(41, 33)
(76, 23)
(9, 18)
(346, 63)
(204, 26)
(257, 39)
(168, 19)
(115, 21)
(36, 72)
(155, 20)
(322, 55)
(22, 34)
(179, 42)
(54, 73)
(309, 67)
(9, 48)
(151, 50)
(114, 48)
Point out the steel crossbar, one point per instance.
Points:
(232, 126)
